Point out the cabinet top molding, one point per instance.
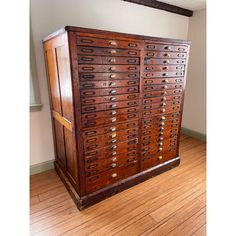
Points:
(163, 6)
(112, 34)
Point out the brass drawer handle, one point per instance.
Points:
(163, 118)
(113, 147)
(86, 41)
(88, 85)
(112, 98)
(164, 74)
(180, 55)
(112, 76)
(113, 153)
(164, 99)
(87, 59)
(112, 68)
(88, 76)
(166, 55)
(165, 81)
(181, 49)
(132, 45)
(113, 60)
(113, 165)
(112, 105)
(132, 53)
(87, 68)
(166, 61)
(161, 138)
(113, 141)
(113, 43)
(132, 90)
(90, 108)
(112, 91)
(167, 47)
(113, 119)
(114, 175)
(87, 50)
(112, 51)
(165, 87)
(159, 157)
(114, 159)
(112, 84)
(113, 113)
(113, 129)
(113, 135)
(165, 68)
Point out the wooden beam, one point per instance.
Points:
(163, 6)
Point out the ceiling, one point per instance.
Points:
(187, 4)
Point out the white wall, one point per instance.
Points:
(115, 15)
(194, 117)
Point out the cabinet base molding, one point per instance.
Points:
(93, 198)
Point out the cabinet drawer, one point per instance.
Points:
(165, 54)
(162, 99)
(157, 134)
(83, 50)
(165, 105)
(109, 91)
(108, 60)
(108, 164)
(156, 61)
(160, 146)
(112, 121)
(166, 47)
(113, 149)
(108, 68)
(164, 68)
(163, 81)
(110, 114)
(164, 74)
(113, 43)
(109, 129)
(107, 76)
(163, 93)
(96, 142)
(162, 87)
(108, 84)
(154, 159)
(109, 106)
(99, 181)
(105, 99)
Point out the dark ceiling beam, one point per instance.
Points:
(163, 6)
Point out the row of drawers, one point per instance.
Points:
(83, 40)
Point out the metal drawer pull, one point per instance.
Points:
(113, 165)
(113, 119)
(112, 84)
(161, 139)
(113, 141)
(112, 60)
(112, 68)
(87, 59)
(162, 123)
(113, 129)
(112, 105)
(132, 44)
(163, 110)
(162, 128)
(164, 99)
(114, 159)
(163, 104)
(113, 135)
(163, 118)
(89, 50)
(164, 93)
(114, 175)
(112, 91)
(181, 49)
(160, 157)
(113, 154)
(165, 80)
(86, 41)
(165, 68)
(180, 55)
(165, 87)
(160, 148)
(112, 51)
(132, 53)
(88, 85)
(113, 113)
(87, 68)
(113, 43)
(164, 74)
(112, 76)
(112, 98)
(113, 147)
(167, 47)
(166, 55)
(166, 61)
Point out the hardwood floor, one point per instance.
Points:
(173, 203)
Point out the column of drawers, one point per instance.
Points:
(163, 78)
(109, 89)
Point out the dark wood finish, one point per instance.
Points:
(116, 103)
(163, 6)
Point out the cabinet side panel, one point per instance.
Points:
(60, 89)
(65, 81)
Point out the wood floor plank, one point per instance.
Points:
(172, 203)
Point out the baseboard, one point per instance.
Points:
(194, 134)
(41, 167)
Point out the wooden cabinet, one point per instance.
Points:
(116, 105)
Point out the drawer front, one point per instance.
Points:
(165, 54)
(164, 74)
(156, 61)
(163, 81)
(158, 134)
(110, 129)
(99, 181)
(108, 60)
(169, 106)
(107, 92)
(108, 84)
(164, 68)
(113, 149)
(107, 76)
(106, 99)
(109, 106)
(162, 99)
(83, 50)
(109, 121)
(113, 43)
(108, 164)
(96, 142)
(109, 114)
(149, 160)
(108, 68)
(166, 47)
(160, 146)
(163, 93)
(148, 88)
